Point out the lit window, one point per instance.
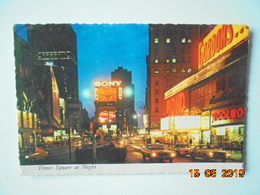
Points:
(167, 71)
(183, 70)
(189, 70)
(168, 61)
(168, 40)
(174, 60)
(156, 40)
(189, 41)
(156, 71)
(183, 40)
(174, 70)
(156, 61)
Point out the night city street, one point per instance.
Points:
(90, 94)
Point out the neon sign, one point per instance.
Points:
(219, 40)
(108, 83)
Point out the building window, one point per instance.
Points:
(157, 109)
(183, 40)
(189, 70)
(156, 40)
(156, 60)
(157, 100)
(168, 61)
(156, 72)
(174, 70)
(189, 41)
(167, 71)
(168, 40)
(156, 91)
(183, 70)
(174, 60)
(156, 82)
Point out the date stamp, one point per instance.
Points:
(226, 173)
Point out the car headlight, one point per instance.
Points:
(211, 154)
(172, 154)
(154, 154)
(228, 155)
(27, 157)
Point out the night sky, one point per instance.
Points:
(102, 48)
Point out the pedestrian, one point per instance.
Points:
(190, 142)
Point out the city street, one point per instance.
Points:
(61, 155)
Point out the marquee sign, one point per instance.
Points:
(219, 40)
(108, 83)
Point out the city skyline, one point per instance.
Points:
(102, 48)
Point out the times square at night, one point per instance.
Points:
(131, 93)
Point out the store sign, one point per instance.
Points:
(108, 83)
(228, 115)
(177, 104)
(219, 40)
(107, 115)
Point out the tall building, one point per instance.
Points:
(126, 111)
(56, 45)
(173, 56)
(54, 55)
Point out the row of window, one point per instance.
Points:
(52, 52)
(189, 70)
(173, 60)
(168, 40)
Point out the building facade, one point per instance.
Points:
(210, 106)
(173, 56)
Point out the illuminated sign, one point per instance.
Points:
(108, 83)
(177, 104)
(107, 115)
(187, 122)
(228, 115)
(219, 40)
(106, 94)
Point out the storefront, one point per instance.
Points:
(228, 127)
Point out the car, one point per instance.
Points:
(157, 152)
(208, 152)
(29, 156)
(181, 149)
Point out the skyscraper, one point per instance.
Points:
(173, 56)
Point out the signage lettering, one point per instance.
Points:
(236, 113)
(219, 40)
(176, 104)
(107, 83)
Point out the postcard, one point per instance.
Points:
(131, 98)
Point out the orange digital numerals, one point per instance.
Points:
(226, 173)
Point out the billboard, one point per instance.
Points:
(107, 114)
(106, 94)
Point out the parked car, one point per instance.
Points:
(157, 152)
(208, 152)
(29, 156)
(181, 149)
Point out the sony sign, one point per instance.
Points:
(108, 83)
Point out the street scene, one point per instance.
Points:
(131, 93)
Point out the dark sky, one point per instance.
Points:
(102, 48)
